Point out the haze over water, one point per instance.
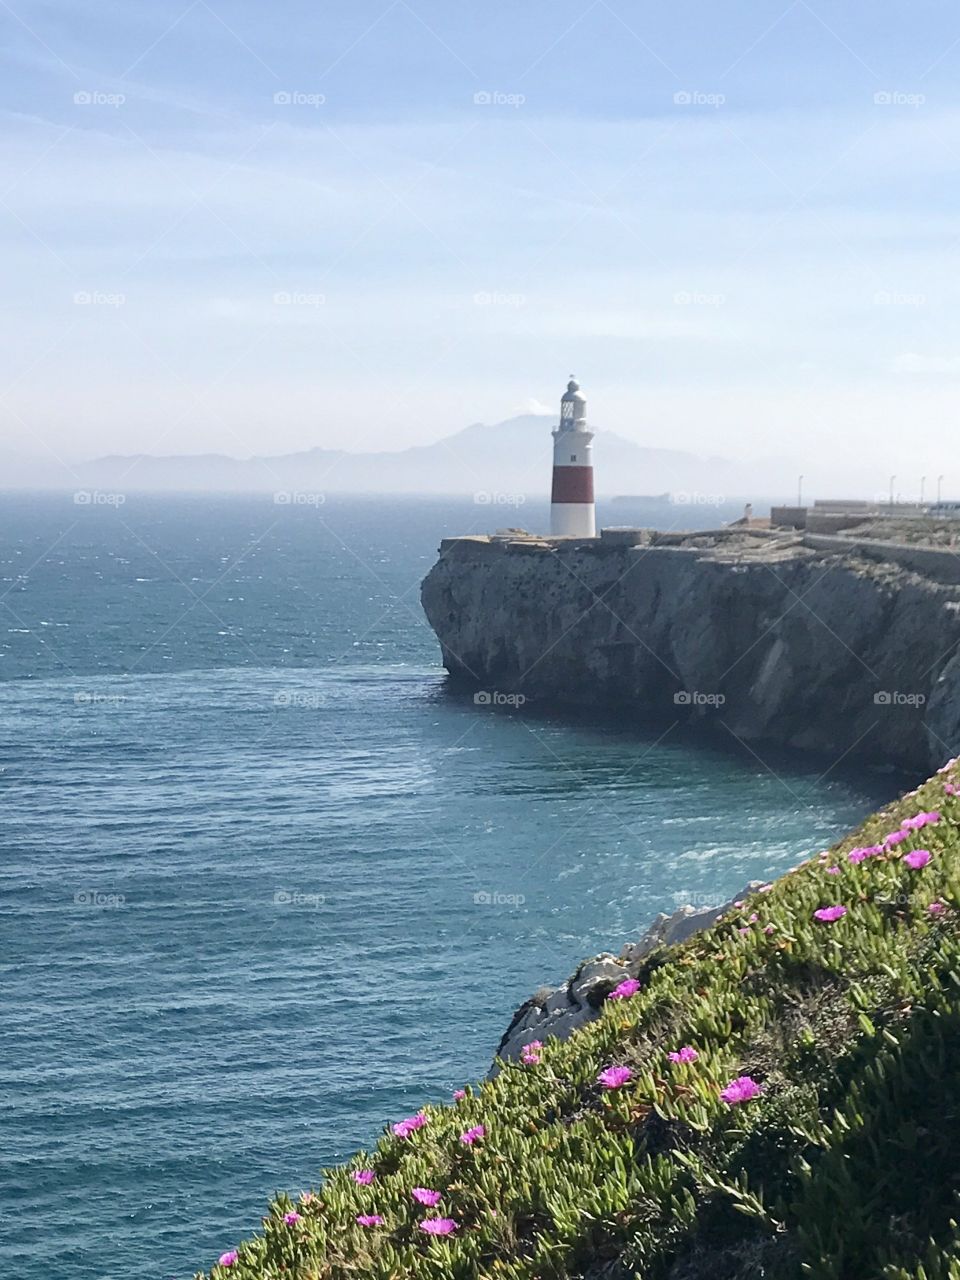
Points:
(267, 884)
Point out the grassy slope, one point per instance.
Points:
(844, 1166)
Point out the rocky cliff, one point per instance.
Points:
(843, 650)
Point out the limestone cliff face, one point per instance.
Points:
(815, 649)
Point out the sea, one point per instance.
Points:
(267, 882)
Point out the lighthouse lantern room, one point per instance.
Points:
(572, 512)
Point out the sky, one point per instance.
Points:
(245, 228)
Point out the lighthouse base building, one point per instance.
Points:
(572, 510)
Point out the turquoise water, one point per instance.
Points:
(248, 838)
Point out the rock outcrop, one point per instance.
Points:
(830, 650)
(561, 1010)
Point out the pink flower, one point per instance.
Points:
(769, 928)
(950, 789)
(920, 820)
(459, 1095)
(623, 990)
(936, 908)
(917, 859)
(754, 918)
(856, 855)
(833, 871)
(827, 915)
(423, 1195)
(404, 1128)
(614, 1077)
(895, 837)
(363, 1176)
(291, 1218)
(473, 1135)
(439, 1226)
(686, 1054)
(370, 1219)
(229, 1258)
(740, 1090)
(765, 888)
(530, 1054)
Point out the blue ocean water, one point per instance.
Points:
(266, 884)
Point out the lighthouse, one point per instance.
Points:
(572, 511)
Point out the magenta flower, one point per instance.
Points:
(856, 855)
(291, 1218)
(768, 928)
(833, 871)
(936, 908)
(530, 1054)
(740, 1090)
(743, 929)
(920, 820)
(363, 1176)
(623, 990)
(473, 1135)
(614, 1077)
(917, 859)
(229, 1258)
(404, 1128)
(894, 838)
(765, 888)
(370, 1219)
(423, 1195)
(439, 1226)
(950, 789)
(459, 1095)
(827, 915)
(686, 1054)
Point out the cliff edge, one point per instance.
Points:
(845, 648)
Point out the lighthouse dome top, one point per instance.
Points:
(573, 392)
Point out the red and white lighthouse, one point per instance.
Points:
(572, 513)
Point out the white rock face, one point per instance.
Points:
(559, 1011)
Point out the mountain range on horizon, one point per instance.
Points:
(513, 456)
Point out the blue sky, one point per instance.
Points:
(236, 227)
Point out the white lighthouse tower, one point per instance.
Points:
(572, 513)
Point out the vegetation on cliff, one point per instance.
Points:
(778, 1097)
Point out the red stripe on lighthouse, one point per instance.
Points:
(572, 484)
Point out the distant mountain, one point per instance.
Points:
(509, 457)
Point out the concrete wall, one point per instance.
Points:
(940, 566)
